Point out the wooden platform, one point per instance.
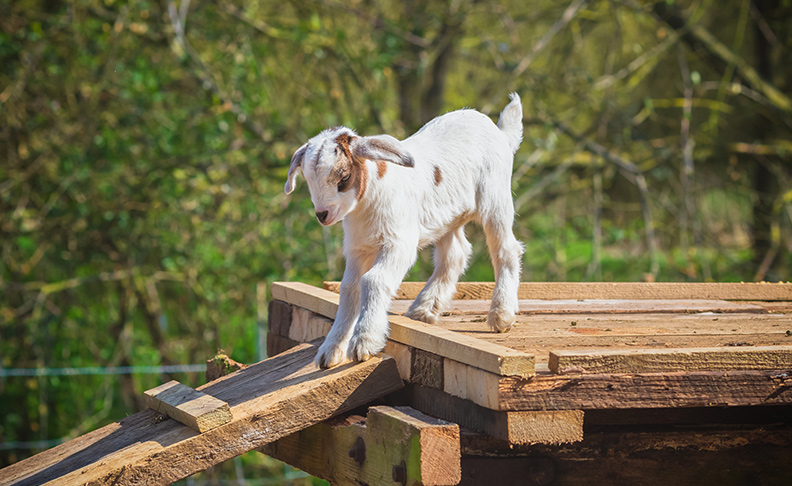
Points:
(625, 354)
(595, 384)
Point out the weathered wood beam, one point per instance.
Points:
(269, 400)
(630, 455)
(199, 411)
(613, 290)
(677, 359)
(596, 306)
(648, 390)
(392, 445)
(516, 427)
(475, 352)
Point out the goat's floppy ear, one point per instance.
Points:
(294, 168)
(382, 147)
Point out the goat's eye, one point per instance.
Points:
(344, 182)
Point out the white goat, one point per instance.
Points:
(397, 197)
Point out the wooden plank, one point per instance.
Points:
(517, 427)
(427, 369)
(279, 317)
(277, 344)
(199, 411)
(478, 386)
(653, 457)
(536, 335)
(307, 326)
(269, 400)
(596, 306)
(475, 352)
(613, 290)
(647, 390)
(390, 443)
(528, 326)
(679, 359)
(403, 356)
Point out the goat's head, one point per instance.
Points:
(334, 166)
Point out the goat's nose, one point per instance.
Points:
(321, 216)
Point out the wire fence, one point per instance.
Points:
(101, 370)
(88, 370)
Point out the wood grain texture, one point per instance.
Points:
(647, 390)
(199, 411)
(653, 457)
(597, 306)
(277, 344)
(518, 427)
(613, 290)
(494, 358)
(354, 450)
(279, 317)
(269, 400)
(679, 359)
(538, 335)
(307, 326)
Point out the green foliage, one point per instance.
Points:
(141, 182)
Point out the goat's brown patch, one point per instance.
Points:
(349, 165)
(382, 167)
(438, 176)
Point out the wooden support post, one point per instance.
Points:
(393, 445)
(194, 409)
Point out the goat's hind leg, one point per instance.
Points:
(505, 252)
(451, 255)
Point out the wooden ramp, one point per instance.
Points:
(269, 400)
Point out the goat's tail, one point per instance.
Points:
(510, 122)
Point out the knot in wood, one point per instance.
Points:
(358, 451)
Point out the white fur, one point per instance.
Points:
(406, 210)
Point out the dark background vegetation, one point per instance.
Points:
(144, 146)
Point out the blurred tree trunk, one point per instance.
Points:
(421, 74)
(770, 74)
(765, 183)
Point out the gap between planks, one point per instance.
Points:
(494, 358)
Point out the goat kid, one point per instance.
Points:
(396, 197)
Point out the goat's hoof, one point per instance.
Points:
(423, 316)
(500, 321)
(329, 355)
(362, 348)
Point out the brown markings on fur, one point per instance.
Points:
(382, 167)
(352, 166)
(438, 176)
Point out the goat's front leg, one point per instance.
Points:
(333, 350)
(377, 288)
